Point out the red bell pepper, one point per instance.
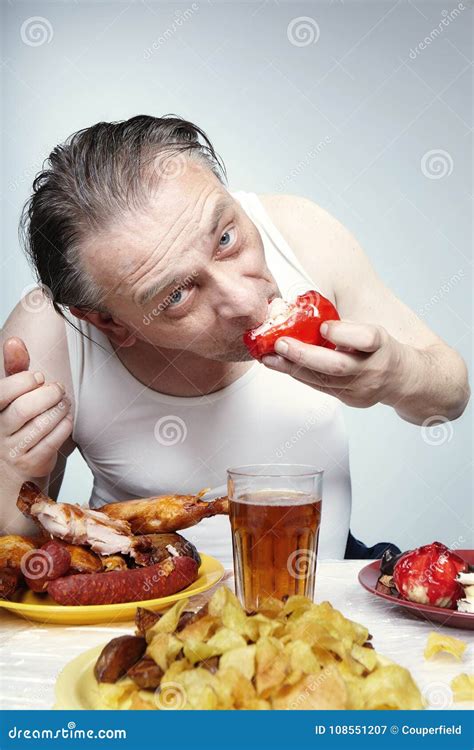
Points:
(301, 320)
(427, 575)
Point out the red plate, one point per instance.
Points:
(369, 576)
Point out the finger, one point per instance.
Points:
(31, 405)
(319, 359)
(36, 430)
(297, 371)
(15, 386)
(47, 448)
(15, 356)
(359, 336)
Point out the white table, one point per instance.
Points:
(33, 655)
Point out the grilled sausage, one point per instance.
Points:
(40, 566)
(146, 674)
(118, 656)
(119, 586)
(145, 619)
(9, 581)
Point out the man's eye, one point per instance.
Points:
(178, 297)
(228, 237)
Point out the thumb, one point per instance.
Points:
(15, 356)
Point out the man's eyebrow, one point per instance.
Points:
(218, 211)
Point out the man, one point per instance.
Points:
(139, 243)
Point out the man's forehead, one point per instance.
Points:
(145, 240)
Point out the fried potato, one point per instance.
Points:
(13, 548)
(441, 642)
(290, 655)
(463, 687)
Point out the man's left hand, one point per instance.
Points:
(365, 369)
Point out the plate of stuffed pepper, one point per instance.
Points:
(434, 582)
(86, 566)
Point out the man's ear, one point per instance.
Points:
(104, 321)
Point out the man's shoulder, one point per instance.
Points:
(43, 331)
(315, 236)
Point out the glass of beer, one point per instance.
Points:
(275, 515)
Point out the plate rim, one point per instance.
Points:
(461, 617)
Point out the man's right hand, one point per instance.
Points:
(35, 418)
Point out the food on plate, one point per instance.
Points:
(130, 585)
(440, 642)
(165, 513)
(153, 548)
(92, 558)
(13, 548)
(291, 654)
(73, 523)
(301, 320)
(466, 603)
(463, 687)
(426, 575)
(114, 562)
(9, 582)
(43, 565)
(83, 560)
(118, 656)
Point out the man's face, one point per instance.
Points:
(181, 276)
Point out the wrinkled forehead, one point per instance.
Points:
(147, 242)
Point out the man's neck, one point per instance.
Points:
(178, 373)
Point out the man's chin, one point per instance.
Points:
(238, 353)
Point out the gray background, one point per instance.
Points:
(348, 117)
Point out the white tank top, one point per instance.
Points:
(138, 442)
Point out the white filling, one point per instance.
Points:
(277, 313)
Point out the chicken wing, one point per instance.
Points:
(165, 513)
(75, 524)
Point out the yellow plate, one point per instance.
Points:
(41, 608)
(77, 689)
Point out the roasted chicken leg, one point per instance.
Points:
(165, 513)
(75, 524)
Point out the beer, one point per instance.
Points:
(275, 544)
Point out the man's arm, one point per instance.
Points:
(396, 359)
(44, 334)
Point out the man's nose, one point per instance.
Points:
(240, 300)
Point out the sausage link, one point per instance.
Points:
(120, 586)
(41, 566)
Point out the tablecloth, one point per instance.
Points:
(32, 655)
